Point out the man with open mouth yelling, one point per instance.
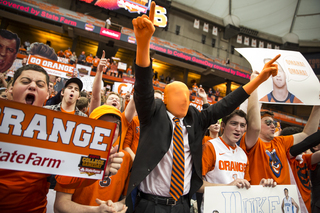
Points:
(30, 85)
(70, 94)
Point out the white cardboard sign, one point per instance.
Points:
(295, 83)
(256, 199)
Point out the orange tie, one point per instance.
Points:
(177, 175)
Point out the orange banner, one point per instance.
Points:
(45, 141)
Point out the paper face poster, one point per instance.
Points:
(295, 82)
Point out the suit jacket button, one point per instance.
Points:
(149, 170)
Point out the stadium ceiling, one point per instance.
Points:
(278, 18)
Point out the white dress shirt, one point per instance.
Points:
(159, 179)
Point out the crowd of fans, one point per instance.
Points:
(146, 161)
(111, 67)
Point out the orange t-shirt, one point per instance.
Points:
(67, 53)
(133, 135)
(89, 59)
(269, 159)
(209, 159)
(60, 53)
(87, 195)
(114, 67)
(129, 71)
(72, 112)
(194, 89)
(23, 191)
(301, 171)
(96, 62)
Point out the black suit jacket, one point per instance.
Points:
(156, 130)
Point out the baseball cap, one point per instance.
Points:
(74, 80)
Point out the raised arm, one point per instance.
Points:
(128, 141)
(309, 142)
(253, 116)
(203, 95)
(96, 87)
(143, 30)
(315, 158)
(130, 110)
(310, 127)
(144, 92)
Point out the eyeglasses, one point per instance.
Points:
(269, 122)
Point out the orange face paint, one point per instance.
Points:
(177, 98)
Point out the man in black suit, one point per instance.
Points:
(150, 182)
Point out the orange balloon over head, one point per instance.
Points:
(177, 98)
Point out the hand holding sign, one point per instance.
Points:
(240, 183)
(114, 162)
(268, 182)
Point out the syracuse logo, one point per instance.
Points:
(274, 162)
(302, 171)
(91, 165)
